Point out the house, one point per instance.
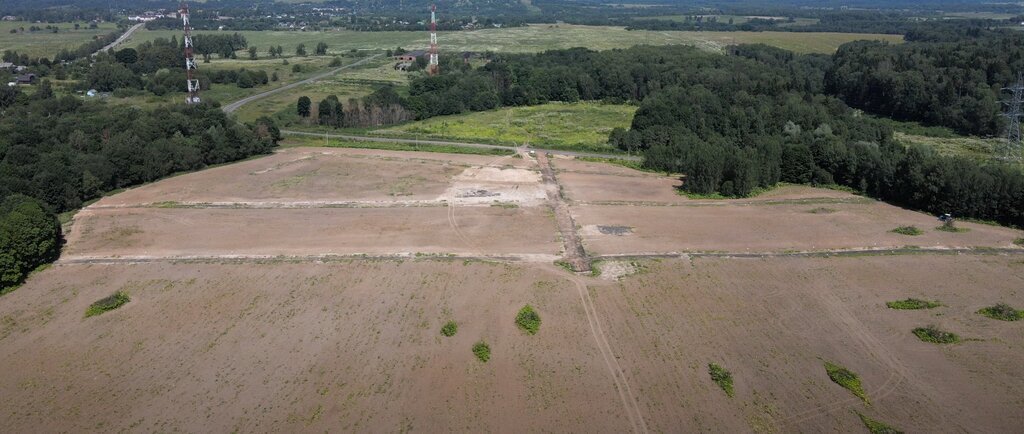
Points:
(410, 56)
(26, 79)
(9, 18)
(6, 65)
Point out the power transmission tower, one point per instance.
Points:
(190, 61)
(1012, 151)
(433, 68)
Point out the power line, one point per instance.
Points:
(1012, 150)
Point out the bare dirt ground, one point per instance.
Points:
(773, 323)
(254, 308)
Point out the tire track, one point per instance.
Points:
(629, 402)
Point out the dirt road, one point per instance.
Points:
(237, 104)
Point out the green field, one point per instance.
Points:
(535, 38)
(44, 43)
(963, 146)
(578, 126)
(351, 83)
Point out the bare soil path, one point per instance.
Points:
(574, 253)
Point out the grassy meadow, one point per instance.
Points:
(45, 43)
(352, 83)
(577, 126)
(534, 38)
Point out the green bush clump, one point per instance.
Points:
(912, 304)
(1019, 241)
(109, 303)
(907, 230)
(1002, 312)
(449, 328)
(847, 379)
(876, 427)
(935, 336)
(528, 320)
(482, 351)
(722, 377)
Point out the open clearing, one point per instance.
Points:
(45, 43)
(305, 291)
(577, 126)
(538, 37)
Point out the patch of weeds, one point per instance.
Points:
(822, 210)
(449, 328)
(722, 377)
(847, 379)
(876, 427)
(907, 230)
(482, 351)
(952, 229)
(566, 265)
(912, 304)
(528, 320)
(108, 303)
(505, 205)
(1019, 241)
(1002, 312)
(934, 335)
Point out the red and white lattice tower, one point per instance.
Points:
(432, 68)
(190, 60)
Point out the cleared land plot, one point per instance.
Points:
(540, 37)
(300, 347)
(45, 43)
(773, 322)
(158, 232)
(583, 126)
(314, 175)
(737, 226)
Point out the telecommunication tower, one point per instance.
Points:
(190, 60)
(1013, 149)
(433, 68)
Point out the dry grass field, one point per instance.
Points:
(306, 290)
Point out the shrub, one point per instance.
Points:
(108, 303)
(1019, 241)
(721, 377)
(482, 351)
(1003, 312)
(953, 229)
(847, 379)
(907, 230)
(528, 320)
(335, 62)
(912, 304)
(822, 210)
(935, 336)
(876, 427)
(449, 328)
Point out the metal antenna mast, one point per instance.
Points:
(190, 61)
(1013, 149)
(433, 68)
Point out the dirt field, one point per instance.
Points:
(305, 291)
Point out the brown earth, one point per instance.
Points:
(252, 309)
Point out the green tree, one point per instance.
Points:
(303, 106)
(300, 50)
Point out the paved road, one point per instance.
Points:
(459, 144)
(127, 34)
(238, 104)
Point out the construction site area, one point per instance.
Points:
(304, 291)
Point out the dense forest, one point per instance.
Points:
(57, 152)
(950, 79)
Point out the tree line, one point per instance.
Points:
(57, 152)
(950, 77)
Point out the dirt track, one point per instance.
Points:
(304, 292)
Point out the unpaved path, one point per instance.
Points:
(127, 34)
(629, 402)
(238, 104)
(574, 253)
